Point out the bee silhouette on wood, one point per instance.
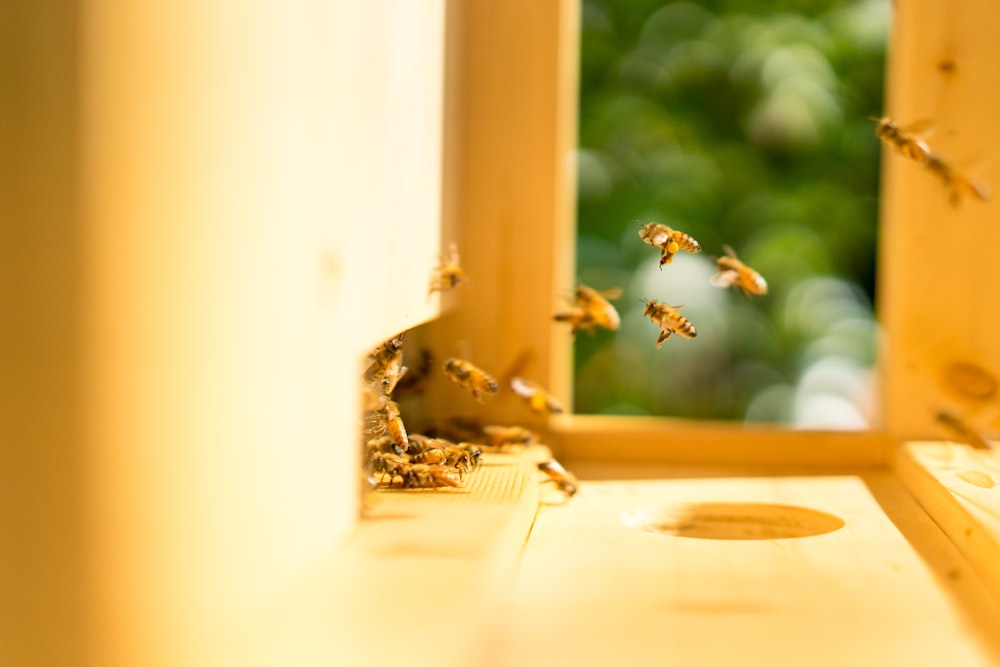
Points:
(957, 184)
(537, 399)
(730, 271)
(449, 274)
(473, 379)
(958, 428)
(669, 320)
(564, 480)
(668, 240)
(592, 309)
(904, 139)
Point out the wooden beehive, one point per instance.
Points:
(217, 209)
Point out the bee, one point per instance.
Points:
(669, 320)
(449, 274)
(958, 184)
(902, 138)
(564, 480)
(540, 401)
(386, 367)
(668, 240)
(424, 476)
(500, 437)
(731, 271)
(592, 309)
(473, 379)
(958, 428)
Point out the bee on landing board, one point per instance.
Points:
(961, 430)
(730, 271)
(592, 309)
(449, 274)
(903, 139)
(669, 320)
(471, 378)
(668, 240)
(957, 184)
(564, 480)
(540, 401)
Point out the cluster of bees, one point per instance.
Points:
(907, 142)
(452, 450)
(592, 308)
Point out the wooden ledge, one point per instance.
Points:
(959, 487)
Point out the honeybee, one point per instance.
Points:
(422, 475)
(668, 240)
(471, 378)
(958, 428)
(386, 367)
(957, 184)
(540, 401)
(669, 320)
(449, 274)
(503, 436)
(592, 309)
(564, 480)
(731, 271)
(901, 138)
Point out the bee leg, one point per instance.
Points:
(665, 334)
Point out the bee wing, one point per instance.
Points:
(612, 293)
(724, 278)
(729, 251)
(520, 387)
(924, 126)
(661, 238)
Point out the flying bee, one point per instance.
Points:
(958, 184)
(449, 274)
(668, 240)
(960, 429)
(471, 378)
(540, 401)
(669, 320)
(564, 480)
(731, 271)
(500, 437)
(902, 139)
(592, 309)
(386, 367)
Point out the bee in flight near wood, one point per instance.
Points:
(958, 184)
(669, 320)
(668, 240)
(961, 430)
(540, 401)
(592, 309)
(473, 379)
(903, 139)
(449, 274)
(730, 271)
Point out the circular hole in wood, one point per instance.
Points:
(732, 521)
(970, 381)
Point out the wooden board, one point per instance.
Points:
(657, 440)
(959, 488)
(593, 590)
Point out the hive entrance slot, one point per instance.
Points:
(732, 520)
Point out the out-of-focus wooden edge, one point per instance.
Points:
(650, 440)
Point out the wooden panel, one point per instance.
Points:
(514, 65)
(936, 261)
(593, 590)
(960, 488)
(657, 440)
(40, 456)
(262, 204)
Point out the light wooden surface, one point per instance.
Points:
(959, 488)
(593, 590)
(937, 282)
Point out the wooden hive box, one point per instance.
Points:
(214, 210)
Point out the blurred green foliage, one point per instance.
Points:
(742, 123)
